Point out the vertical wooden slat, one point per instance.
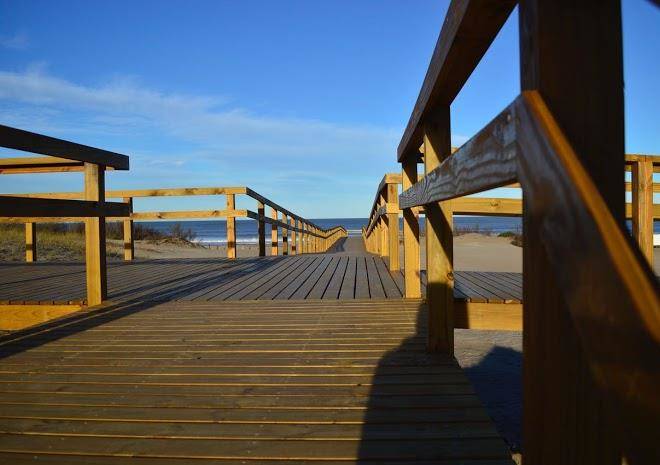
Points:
(412, 285)
(285, 235)
(30, 242)
(642, 206)
(274, 240)
(294, 248)
(129, 245)
(231, 227)
(261, 226)
(439, 241)
(571, 53)
(393, 226)
(95, 259)
(301, 237)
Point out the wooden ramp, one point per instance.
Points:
(239, 382)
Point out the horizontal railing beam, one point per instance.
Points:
(18, 139)
(30, 207)
(486, 161)
(188, 214)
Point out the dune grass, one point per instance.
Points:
(66, 242)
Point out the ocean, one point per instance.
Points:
(214, 232)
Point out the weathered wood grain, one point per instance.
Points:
(486, 161)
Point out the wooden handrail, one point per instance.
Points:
(469, 28)
(591, 312)
(19, 139)
(65, 156)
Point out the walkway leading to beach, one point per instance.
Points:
(333, 382)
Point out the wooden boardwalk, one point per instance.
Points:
(321, 276)
(239, 382)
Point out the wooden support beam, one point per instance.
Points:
(293, 237)
(274, 239)
(129, 244)
(393, 226)
(301, 236)
(571, 53)
(439, 241)
(412, 283)
(95, 257)
(261, 228)
(30, 242)
(53, 208)
(285, 235)
(642, 206)
(231, 227)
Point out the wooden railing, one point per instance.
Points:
(64, 156)
(383, 239)
(591, 318)
(298, 234)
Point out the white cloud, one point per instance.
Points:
(18, 41)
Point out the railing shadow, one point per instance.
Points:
(35, 336)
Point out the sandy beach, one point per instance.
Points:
(475, 252)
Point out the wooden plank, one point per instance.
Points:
(303, 291)
(285, 233)
(323, 282)
(127, 227)
(566, 304)
(491, 316)
(619, 287)
(376, 290)
(231, 227)
(393, 226)
(439, 240)
(411, 258)
(361, 279)
(389, 285)
(170, 215)
(486, 161)
(642, 207)
(30, 242)
(347, 290)
(18, 139)
(335, 284)
(33, 207)
(469, 28)
(486, 206)
(95, 257)
(261, 229)
(15, 317)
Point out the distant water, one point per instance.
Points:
(214, 232)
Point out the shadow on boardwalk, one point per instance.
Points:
(435, 415)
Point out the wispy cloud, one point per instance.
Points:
(18, 41)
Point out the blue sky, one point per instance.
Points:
(303, 101)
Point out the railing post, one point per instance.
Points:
(95, 259)
(274, 240)
(439, 241)
(261, 226)
(30, 242)
(393, 225)
(129, 245)
(642, 206)
(411, 276)
(301, 247)
(294, 244)
(571, 53)
(285, 235)
(231, 227)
